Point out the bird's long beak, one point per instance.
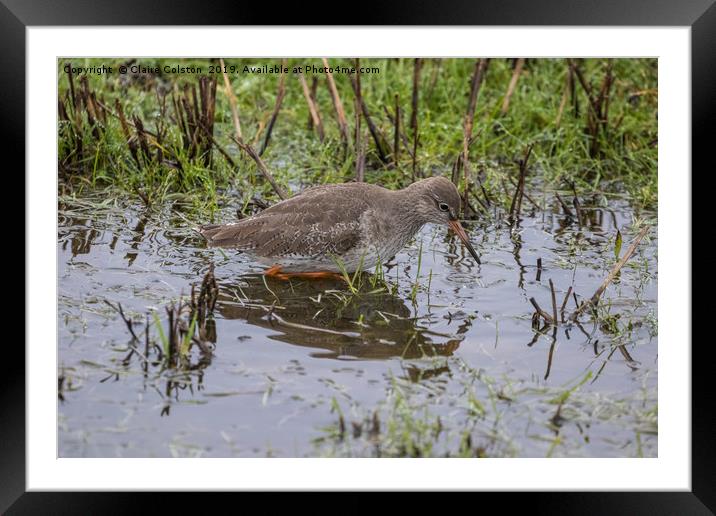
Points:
(460, 231)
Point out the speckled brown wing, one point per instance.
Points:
(320, 221)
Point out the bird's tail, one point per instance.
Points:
(209, 231)
(232, 235)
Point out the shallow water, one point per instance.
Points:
(287, 352)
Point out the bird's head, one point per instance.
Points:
(437, 201)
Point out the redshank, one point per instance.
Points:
(340, 227)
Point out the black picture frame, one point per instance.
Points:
(17, 15)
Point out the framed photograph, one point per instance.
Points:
(430, 257)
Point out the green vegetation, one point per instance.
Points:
(134, 131)
(413, 421)
(169, 141)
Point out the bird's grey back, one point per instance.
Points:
(320, 220)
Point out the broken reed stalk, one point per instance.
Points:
(550, 355)
(519, 64)
(312, 108)
(90, 108)
(475, 83)
(539, 269)
(552, 319)
(437, 64)
(195, 123)
(161, 125)
(128, 322)
(485, 194)
(597, 115)
(361, 107)
(277, 106)
(417, 65)
(260, 130)
(475, 196)
(360, 154)
(523, 176)
(70, 78)
(142, 137)
(208, 293)
(131, 143)
(604, 96)
(189, 322)
(578, 72)
(564, 303)
(554, 301)
(577, 206)
(396, 132)
(547, 318)
(414, 170)
(525, 194)
(61, 111)
(223, 152)
(312, 94)
(400, 129)
(516, 204)
(146, 341)
(355, 82)
(612, 274)
(202, 308)
(566, 209)
(248, 149)
(196, 120)
(337, 104)
(76, 118)
(232, 100)
(465, 201)
(173, 333)
(573, 92)
(207, 91)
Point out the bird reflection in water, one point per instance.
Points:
(321, 315)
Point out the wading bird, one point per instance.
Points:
(329, 229)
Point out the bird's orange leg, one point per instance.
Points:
(275, 272)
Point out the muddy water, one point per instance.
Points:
(287, 352)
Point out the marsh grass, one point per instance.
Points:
(189, 324)
(413, 422)
(148, 153)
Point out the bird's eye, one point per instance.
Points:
(443, 206)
